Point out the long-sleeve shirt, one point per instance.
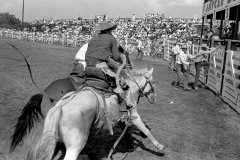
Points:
(201, 54)
(176, 49)
(140, 44)
(101, 47)
(183, 57)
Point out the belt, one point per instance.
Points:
(93, 64)
(92, 61)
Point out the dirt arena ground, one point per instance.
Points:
(192, 125)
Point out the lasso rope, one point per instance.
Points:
(30, 71)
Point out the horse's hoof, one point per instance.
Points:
(161, 151)
(160, 148)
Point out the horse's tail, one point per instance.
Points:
(45, 144)
(30, 116)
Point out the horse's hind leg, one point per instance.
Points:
(74, 135)
(141, 126)
(59, 147)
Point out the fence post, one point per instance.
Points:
(75, 41)
(126, 44)
(229, 45)
(63, 38)
(33, 36)
(51, 38)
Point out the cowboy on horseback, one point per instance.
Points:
(103, 55)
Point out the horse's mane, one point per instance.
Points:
(139, 73)
(136, 74)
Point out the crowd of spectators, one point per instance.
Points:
(151, 27)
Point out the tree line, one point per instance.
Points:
(10, 21)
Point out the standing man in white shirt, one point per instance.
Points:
(175, 52)
(181, 67)
(134, 18)
(139, 49)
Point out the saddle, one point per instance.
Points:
(99, 77)
(93, 77)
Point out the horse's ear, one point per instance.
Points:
(151, 71)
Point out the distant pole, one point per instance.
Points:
(22, 14)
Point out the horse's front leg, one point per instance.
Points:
(141, 126)
(127, 136)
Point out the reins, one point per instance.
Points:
(141, 93)
(30, 71)
(128, 118)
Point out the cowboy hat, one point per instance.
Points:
(106, 25)
(184, 46)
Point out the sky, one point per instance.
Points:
(87, 9)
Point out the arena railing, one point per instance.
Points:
(53, 38)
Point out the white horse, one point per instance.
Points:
(71, 119)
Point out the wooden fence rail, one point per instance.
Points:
(53, 38)
(224, 72)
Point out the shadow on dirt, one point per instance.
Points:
(99, 146)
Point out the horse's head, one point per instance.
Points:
(148, 88)
(144, 85)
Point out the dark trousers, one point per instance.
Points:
(198, 66)
(182, 75)
(139, 51)
(173, 62)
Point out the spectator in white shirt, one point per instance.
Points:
(182, 68)
(139, 49)
(175, 52)
(134, 18)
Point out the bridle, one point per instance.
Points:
(141, 89)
